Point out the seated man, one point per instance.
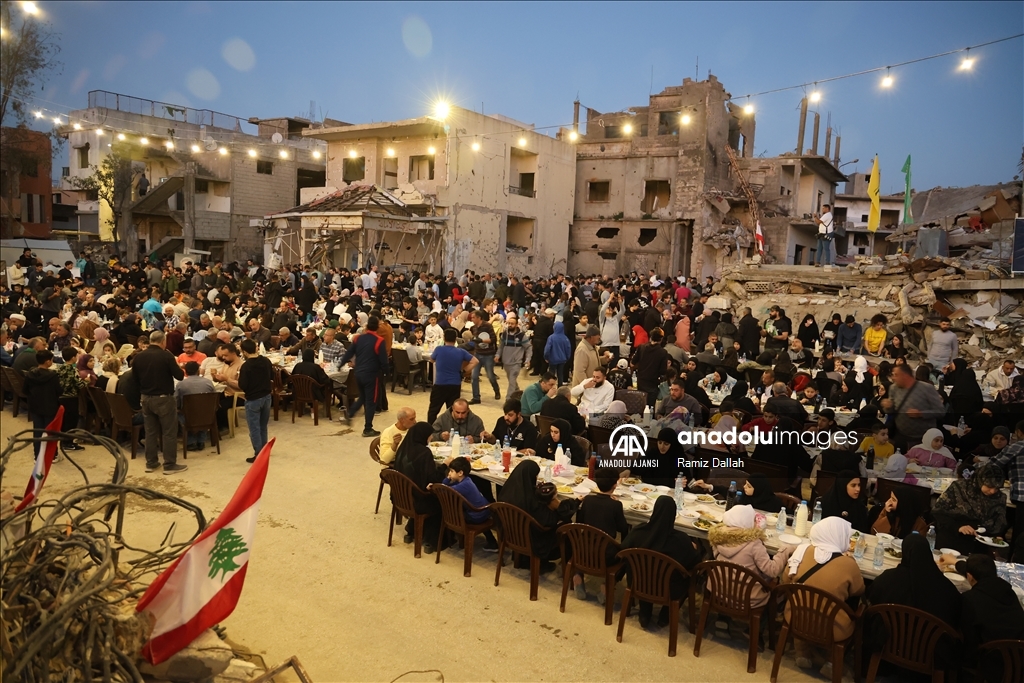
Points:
(521, 432)
(782, 404)
(561, 407)
(595, 393)
(193, 383)
(391, 437)
(309, 341)
(537, 394)
(461, 419)
(678, 401)
(308, 368)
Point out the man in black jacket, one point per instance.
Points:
(42, 386)
(371, 364)
(782, 404)
(255, 380)
(560, 407)
(749, 335)
(156, 369)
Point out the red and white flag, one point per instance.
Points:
(202, 587)
(759, 236)
(44, 458)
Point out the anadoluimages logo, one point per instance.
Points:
(628, 441)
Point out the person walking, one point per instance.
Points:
(256, 380)
(512, 352)
(485, 343)
(371, 364)
(449, 364)
(155, 369)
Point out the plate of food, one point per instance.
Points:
(564, 488)
(689, 497)
(640, 507)
(705, 498)
(885, 539)
(894, 552)
(689, 515)
(482, 449)
(991, 541)
(703, 523)
(437, 444)
(478, 465)
(631, 481)
(644, 488)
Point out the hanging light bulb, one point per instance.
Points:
(283, 154)
(431, 150)
(475, 146)
(99, 132)
(252, 153)
(316, 154)
(77, 126)
(749, 109)
(223, 151)
(143, 141)
(887, 81)
(121, 137)
(967, 63)
(815, 96)
(685, 119)
(522, 142)
(169, 145)
(195, 149)
(56, 119)
(391, 152)
(573, 136)
(39, 114)
(352, 154)
(628, 128)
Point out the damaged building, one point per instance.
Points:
(468, 190)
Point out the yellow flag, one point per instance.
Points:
(874, 184)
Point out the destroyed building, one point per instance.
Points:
(850, 214)
(468, 190)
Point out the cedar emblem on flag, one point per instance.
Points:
(202, 587)
(44, 458)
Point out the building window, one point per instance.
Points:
(92, 195)
(58, 198)
(390, 173)
(65, 171)
(519, 234)
(83, 156)
(647, 235)
(30, 168)
(421, 167)
(613, 132)
(863, 218)
(607, 233)
(657, 195)
(203, 186)
(353, 169)
(598, 190)
(264, 167)
(668, 123)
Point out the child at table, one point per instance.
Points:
(600, 510)
(433, 335)
(879, 440)
(459, 470)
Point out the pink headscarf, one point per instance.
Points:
(100, 334)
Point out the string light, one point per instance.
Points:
(99, 132)
(252, 153)
(431, 150)
(968, 62)
(195, 149)
(352, 154)
(30, 8)
(685, 118)
(121, 136)
(887, 81)
(39, 114)
(56, 119)
(522, 142)
(143, 141)
(441, 110)
(283, 154)
(391, 152)
(628, 128)
(749, 109)
(476, 146)
(77, 126)
(316, 154)
(223, 151)
(573, 136)
(815, 96)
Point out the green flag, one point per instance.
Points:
(908, 214)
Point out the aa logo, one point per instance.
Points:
(628, 441)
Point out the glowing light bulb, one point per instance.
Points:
(352, 154)
(99, 132)
(169, 145)
(121, 137)
(143, 141)
(223, 151)
(686, 119)
(316, 154)
(815, 96)
(283, 154)
(627, 129)
(77, 126)
(476, 146)
(39, 114)
(431, 150)
(390, 152)
(252, 153)
(887, 82)
(966, 64)
(30, 8)
(56, 119)
(441, 110)
(749, 109)
(195, 149)
(522, 142)
(573, 136)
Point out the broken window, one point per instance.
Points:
(668, 123)
(202, 186)
(607, 233)
(863, 218)
(611, 131)
(519, 234)
(265, 167)
(353, 169)
(526, 184)
(390, 173)
(598, 190)
(657, 194)
(798, 255)
(608, 255)
(83, 156)
(421, 167)
(647, 235)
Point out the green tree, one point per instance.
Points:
(226, 548)
(112, 180)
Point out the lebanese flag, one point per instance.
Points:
(202, 587)
(759, 236)
(47, 452)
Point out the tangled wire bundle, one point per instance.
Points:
(70, 584)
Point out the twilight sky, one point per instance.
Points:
(365, 62)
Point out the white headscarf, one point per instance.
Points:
(830, 535)
(926, 442)
(739, 516)
(860, 366)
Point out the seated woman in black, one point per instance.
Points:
(521, 491)
(414, 459)
(660, 535)
(758, 493)
(666, 452)
(846, 500)
(560, 433)
(968, 505)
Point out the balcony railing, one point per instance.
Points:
(167, 110)
(522, 191)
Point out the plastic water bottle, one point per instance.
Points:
(568, 455)
(860, 547)
(879, 556)
(960, 426)
(647, 416)
(780, 526)
(730, 497)
(816, 515)
(634, 380)
(824, 403)
(506, 443)
(547, 474)
(679, 492)
(931, 537)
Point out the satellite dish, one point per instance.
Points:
(210, 144)
(277, 138)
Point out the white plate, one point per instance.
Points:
(689, 497)
(884, 538)
(790, 539)
(987, 540)
(949, 551)
(954, 577)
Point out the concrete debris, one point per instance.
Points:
(205, 657)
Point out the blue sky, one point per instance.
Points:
(374, 61)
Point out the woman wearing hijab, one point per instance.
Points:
(614, 415)
(719, 380)
(726, 330)
(520, 490)
(833, 571)
(739, 541)
(965, 397)
(100, 336)
(897, 518)
(846, 500)
(414, 459)
(968, 505)
(831, 330)
(740, 400)
(916, 582)
(666, 452)
(860, 381)
(930, 452)
(560, 433)
(808, 332)
(660, 535)
(86, 363)
(758, 493)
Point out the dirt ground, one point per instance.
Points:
(322, 583)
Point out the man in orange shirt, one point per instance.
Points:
(189, 353)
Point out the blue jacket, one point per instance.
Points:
(849, 338)
(472, 494)
(371, 356)
(558, 348)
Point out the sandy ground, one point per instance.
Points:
(323, 585)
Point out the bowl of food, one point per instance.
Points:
(884, 539)
(705, 498)
(644, 488)
(771, 520)
(894, 552)
(640, 507)
(564, 488)
(703, 523)
(949, 551)
(631, 481)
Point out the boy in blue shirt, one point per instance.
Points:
(459, 470)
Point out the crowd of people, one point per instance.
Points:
(155, 333)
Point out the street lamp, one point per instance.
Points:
(848, 163)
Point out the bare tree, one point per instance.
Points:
(112, 180)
